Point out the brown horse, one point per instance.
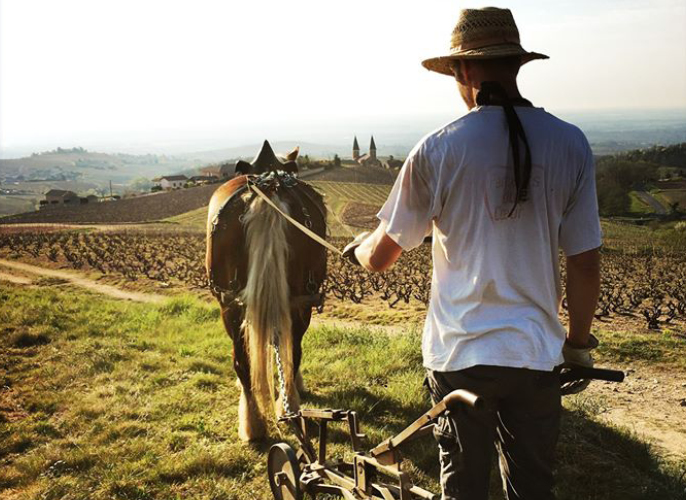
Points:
(266, 275)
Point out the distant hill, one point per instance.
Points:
(249, 151)
(667, 156)
(78, 164)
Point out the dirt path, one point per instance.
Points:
(650, 402)
(652, 201)
(12, 278)
(76, 280)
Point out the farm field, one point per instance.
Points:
(187, 208)
(12, 204)
(152, 207)
(337, 195)
(644, 270)
(104, 399)
(669, 196)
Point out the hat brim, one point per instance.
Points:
(444, 64)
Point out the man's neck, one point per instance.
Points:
(510, 87)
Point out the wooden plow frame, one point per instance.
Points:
(376, 474)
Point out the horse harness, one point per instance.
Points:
(296, 190)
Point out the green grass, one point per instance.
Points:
(638, 206)
(666, 348)
(195, 218)
(106, 399)
(631, 237)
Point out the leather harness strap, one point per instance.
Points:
(290, 219)
(232, 295)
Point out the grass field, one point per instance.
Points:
(105, 399)
(17, 204)
(638, 206)
(338, 194)
(195, 218)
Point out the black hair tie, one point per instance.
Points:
(493, 94)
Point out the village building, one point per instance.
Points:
(368, 159)
(223, 171)
(61, 197)
(173, 181)
(393, 163)
(203, 179)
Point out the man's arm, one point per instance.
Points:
(583, 289)
(378, 251)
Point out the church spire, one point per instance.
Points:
(356, 149)
(372, 149)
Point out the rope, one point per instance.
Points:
(297, 224)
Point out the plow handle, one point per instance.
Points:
(461, 396)
(592, 374)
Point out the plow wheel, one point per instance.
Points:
(284, 473)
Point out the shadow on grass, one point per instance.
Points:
(595, 461)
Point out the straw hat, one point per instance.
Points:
(482, 34)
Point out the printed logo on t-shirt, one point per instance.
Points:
(500, 192)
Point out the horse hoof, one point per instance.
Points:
(248, 437)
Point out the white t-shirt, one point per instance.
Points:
(495, 292)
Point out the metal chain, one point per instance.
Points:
(282, 382)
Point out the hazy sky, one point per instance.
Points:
(73, 69)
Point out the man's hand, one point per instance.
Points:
(375, 251)
(349, 250)
(577, 356)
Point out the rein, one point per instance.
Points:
(253, 187)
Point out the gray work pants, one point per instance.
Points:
(522, 419)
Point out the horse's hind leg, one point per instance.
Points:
(251, 422)
(295, 385)
(297, 357)
(301, 321)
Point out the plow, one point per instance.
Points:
(373, 474)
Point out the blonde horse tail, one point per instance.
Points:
(266, 298)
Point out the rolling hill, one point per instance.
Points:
(147, 208)
(78, 164)
(188, 207)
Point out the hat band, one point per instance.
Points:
(483, 42)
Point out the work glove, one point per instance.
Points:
(577, 357)
(349, 250)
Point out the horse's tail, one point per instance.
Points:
(266, 299)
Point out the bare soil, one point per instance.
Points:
(651, 402)
(360, 215)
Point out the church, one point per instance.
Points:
(369, 159)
